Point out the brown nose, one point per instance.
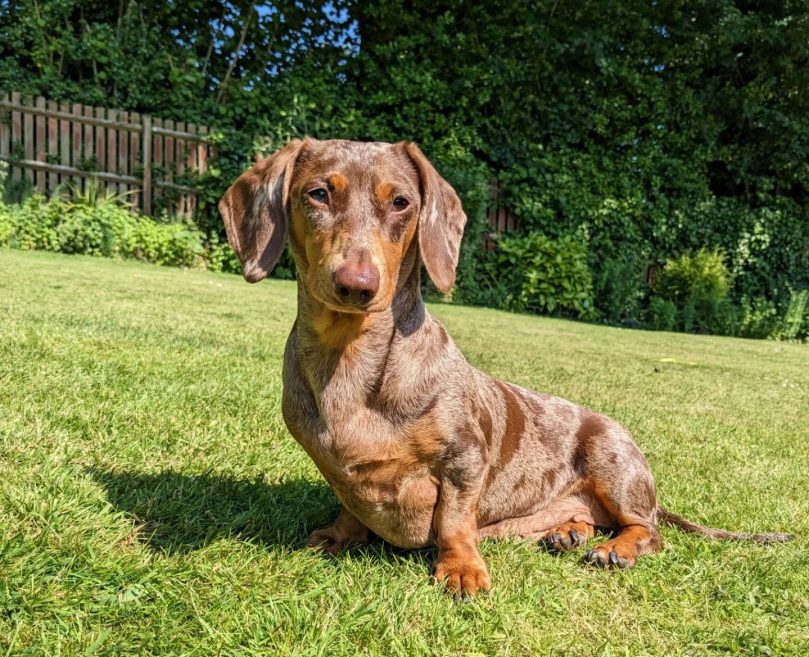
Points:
(356, 282)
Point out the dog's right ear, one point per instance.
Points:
(255, 212)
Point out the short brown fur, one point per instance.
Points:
(420, 447)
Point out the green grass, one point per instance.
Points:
(152, 502)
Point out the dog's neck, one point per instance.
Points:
(354, 347)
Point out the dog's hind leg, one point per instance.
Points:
(619, 487)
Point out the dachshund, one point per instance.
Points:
(420, 447)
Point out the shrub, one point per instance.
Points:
(101, 227)
(698, 286)
(795, 323)
(219, 256)
(708, 313)
(662, 314)
(618, 289)
(759, 317)
(542, 275)
(6, 225)
(703, 274)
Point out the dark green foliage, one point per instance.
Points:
(795, 323)
(535, 273)
(759, 318)
(662, 314)
(653, 129)
(618, 288)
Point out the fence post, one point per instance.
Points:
(147, 165)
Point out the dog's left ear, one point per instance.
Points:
(441, 222)
(255, 212)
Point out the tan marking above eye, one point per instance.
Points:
(338, 182)
(385, 193)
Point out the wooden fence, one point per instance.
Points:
(501, 219)
(48, 144)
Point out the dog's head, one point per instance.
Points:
(352, 211)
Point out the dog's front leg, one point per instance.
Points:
(345, 531)
(459, 564)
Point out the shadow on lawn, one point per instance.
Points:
(178, 513)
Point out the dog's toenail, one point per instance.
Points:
(613, 557)
(574, 535)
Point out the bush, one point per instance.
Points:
(618, 289)
(662, 314)
(795, 323)
(101, 227)
(708, 313)
(698, 287)
(7, 227)
(759, 318)
(687, 277)
(220, 257)
(542, 275)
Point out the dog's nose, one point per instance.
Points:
(356, 282)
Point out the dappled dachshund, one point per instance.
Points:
(420, 447)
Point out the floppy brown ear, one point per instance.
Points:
(441, 222)
(255, 212)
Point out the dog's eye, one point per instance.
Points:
(319, 194)
(400, 203)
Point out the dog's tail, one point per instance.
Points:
(686, 525)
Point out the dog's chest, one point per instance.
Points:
(372, 466)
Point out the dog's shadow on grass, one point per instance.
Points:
(177, 513)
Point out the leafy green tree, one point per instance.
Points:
(646, 128)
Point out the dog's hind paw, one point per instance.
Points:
(569, 536)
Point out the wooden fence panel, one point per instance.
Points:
(52, 147)
(148, 157)
(15, 145)
(158, 172)
(54, 143)
(76, 143)
(100, 140)
(39, 144)
(123, 153)
(88, 152)
(135, 168)
(179, 166)
(202, 150)
(5, 131)
(169, 164)
(112, 149)
(27, 136)
(501, 219)
(64, 142)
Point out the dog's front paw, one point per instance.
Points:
(463, 573)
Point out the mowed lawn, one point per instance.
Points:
(152, 501)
